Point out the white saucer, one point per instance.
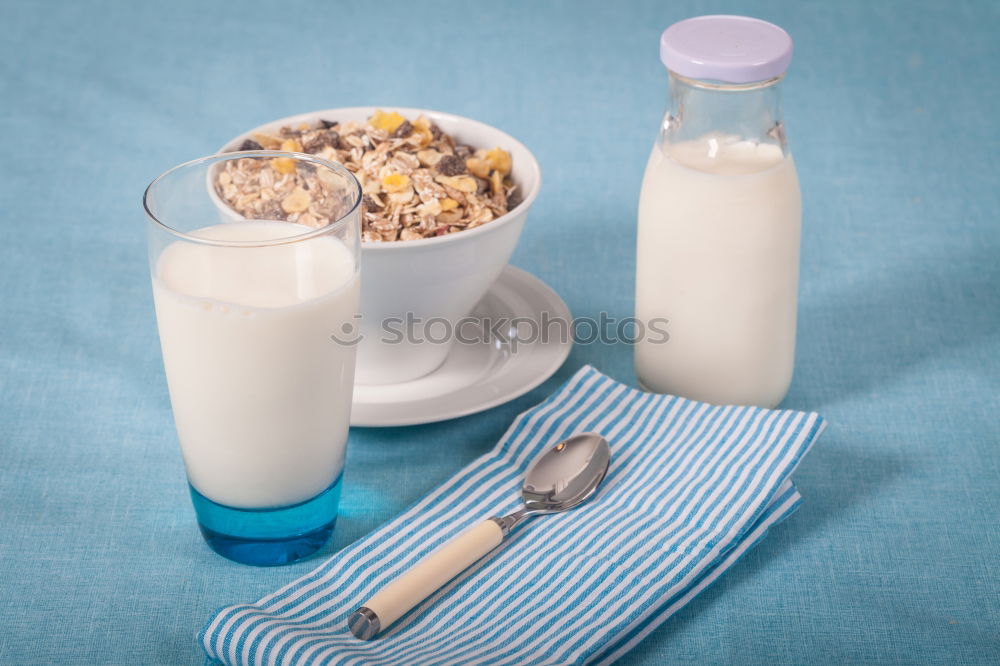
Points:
(477, 376)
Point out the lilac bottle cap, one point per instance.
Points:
(732, 49)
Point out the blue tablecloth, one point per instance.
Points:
(892, 113)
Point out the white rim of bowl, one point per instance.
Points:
(529, 197)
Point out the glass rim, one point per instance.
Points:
(707, 84)
(336, 167)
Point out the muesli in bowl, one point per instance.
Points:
(418, 181)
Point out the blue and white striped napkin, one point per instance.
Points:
(691, 487)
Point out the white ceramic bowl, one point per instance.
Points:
(434, 281)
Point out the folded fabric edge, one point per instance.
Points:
(780, 509)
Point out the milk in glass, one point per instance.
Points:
(256, 381)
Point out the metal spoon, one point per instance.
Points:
(559, 479)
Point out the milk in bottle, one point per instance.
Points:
(719, 219)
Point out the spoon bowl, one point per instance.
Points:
(567, 474)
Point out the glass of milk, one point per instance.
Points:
(256, 320)
(720, 218)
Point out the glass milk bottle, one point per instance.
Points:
(719, 219)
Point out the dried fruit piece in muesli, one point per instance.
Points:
(283, 165)
(296, 202)
(386, 121)
(395, 182)
(404, 130)
(450, 165)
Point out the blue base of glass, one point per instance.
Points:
(268, 537)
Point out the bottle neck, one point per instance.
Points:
(700, 109)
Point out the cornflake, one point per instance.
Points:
(417, 181)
